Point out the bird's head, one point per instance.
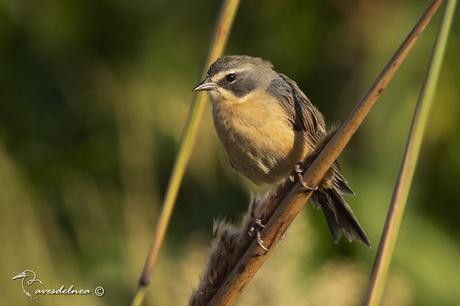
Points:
(231, 78)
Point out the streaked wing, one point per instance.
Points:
(302, 113)
(305, 116)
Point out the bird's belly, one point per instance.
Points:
(260, 143)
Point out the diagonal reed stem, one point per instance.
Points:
(406, 172)
(290, 203)
(221, 33)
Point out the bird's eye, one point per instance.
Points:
(230, 77)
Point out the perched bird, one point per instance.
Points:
(268, 127)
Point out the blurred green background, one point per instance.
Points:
(94, 96)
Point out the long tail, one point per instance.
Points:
(339, 215)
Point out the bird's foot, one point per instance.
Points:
(297, 174)
(255, 230)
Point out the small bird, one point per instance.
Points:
(268, 127)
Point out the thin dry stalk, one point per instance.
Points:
(288, 200)
(406, 173)
(221, 33)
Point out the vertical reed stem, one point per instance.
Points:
(406, 173)
(221, 33)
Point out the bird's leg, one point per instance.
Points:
(256, 228)
(297, 174)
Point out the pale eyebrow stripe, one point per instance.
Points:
(220, 75)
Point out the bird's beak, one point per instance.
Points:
(206, 85)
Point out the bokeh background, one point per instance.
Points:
(94, 96)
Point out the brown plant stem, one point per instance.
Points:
(290, 203)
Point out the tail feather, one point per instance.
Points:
(339, 216)
(343, 187)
